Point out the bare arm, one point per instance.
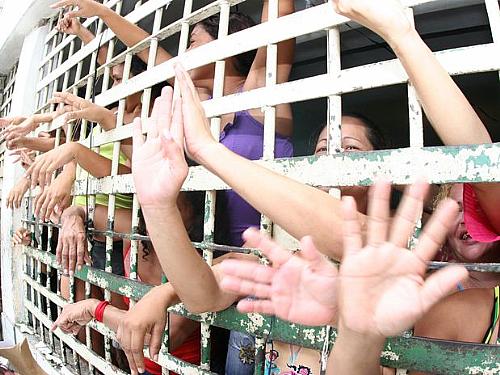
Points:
(448, 110)
(286, 50)
(94, 163)
(193, 280)
(37, 143)
(309, 210)
(131, 34)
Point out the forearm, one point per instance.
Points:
(39, 144)
(446, 107)
(300, 209)
(107, 120)
(345, 358)
(94, 163)
(192, 278)
(86, 36)
(112, 317)
(131, 34)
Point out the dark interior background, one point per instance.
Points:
(465, 24)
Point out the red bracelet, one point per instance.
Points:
(99, 310)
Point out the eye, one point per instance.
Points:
(321, 150)
(351, 148)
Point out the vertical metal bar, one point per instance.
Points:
(493, 10)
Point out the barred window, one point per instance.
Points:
(339, 68)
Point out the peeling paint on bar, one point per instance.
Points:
(445, 164)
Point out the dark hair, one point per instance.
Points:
(237, 22)
(147, 246)
(373, 133)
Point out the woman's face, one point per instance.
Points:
(354, 139)
(458, 238)
(198, 38)
(117, 74)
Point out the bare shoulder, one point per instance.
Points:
(462, 316)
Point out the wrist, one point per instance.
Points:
(92, 306)
(355, 338)
(103, 12)
(209, 152)
(401, 40)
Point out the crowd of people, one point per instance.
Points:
(378, 290)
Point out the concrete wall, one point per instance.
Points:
(18, 18)
(23, 102)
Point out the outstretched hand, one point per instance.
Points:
(383, 288)
(384, 17)
(85, 8)
(159, 167)
(291, 289)
(198, 137)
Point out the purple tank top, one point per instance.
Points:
(245, 137)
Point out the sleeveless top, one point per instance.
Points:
(245, 137)
(122, 200)
(491, 335)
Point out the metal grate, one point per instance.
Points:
(67, 66)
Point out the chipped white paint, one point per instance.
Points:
(97, 280)
(387, 354)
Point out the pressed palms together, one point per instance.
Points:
(158, 164)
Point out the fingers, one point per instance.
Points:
(72, 257)
(48, 207)
(152, 131)
(351, 227)
(172, 151)
(138, 141)
(156, 340)
(378, 213)
(164, 112)
(80, 252)
(409, 211)
(440, 284)
(308, 250)
(64, 256)
(434, 233)
(256, 306)
(177, 125)
(138, 349)
(275, 253)
(245, 287)
(59, 250)
(62, 4)
(186, 83)
(124, 338)
(243, 269)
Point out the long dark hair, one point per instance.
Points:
(237, 22)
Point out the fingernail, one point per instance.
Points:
(141, 370)
(65, 272)
(79, 268)
(71, 273)
(155, 357)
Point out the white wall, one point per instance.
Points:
(23, 102)
(17, 19)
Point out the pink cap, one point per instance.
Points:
(476, 222)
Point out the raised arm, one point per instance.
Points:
(309, 211)
(129, 33)
(41, 144)
(286, 51)
(159, 169)
(94, 163)
(72, 26)
(446, 107)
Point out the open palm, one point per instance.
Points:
(159, 167)
(294, 287)
(383, 288)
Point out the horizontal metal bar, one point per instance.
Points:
(364, 77)
(69, 38)
(107, 35)
(445, 164)
(88, 355)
